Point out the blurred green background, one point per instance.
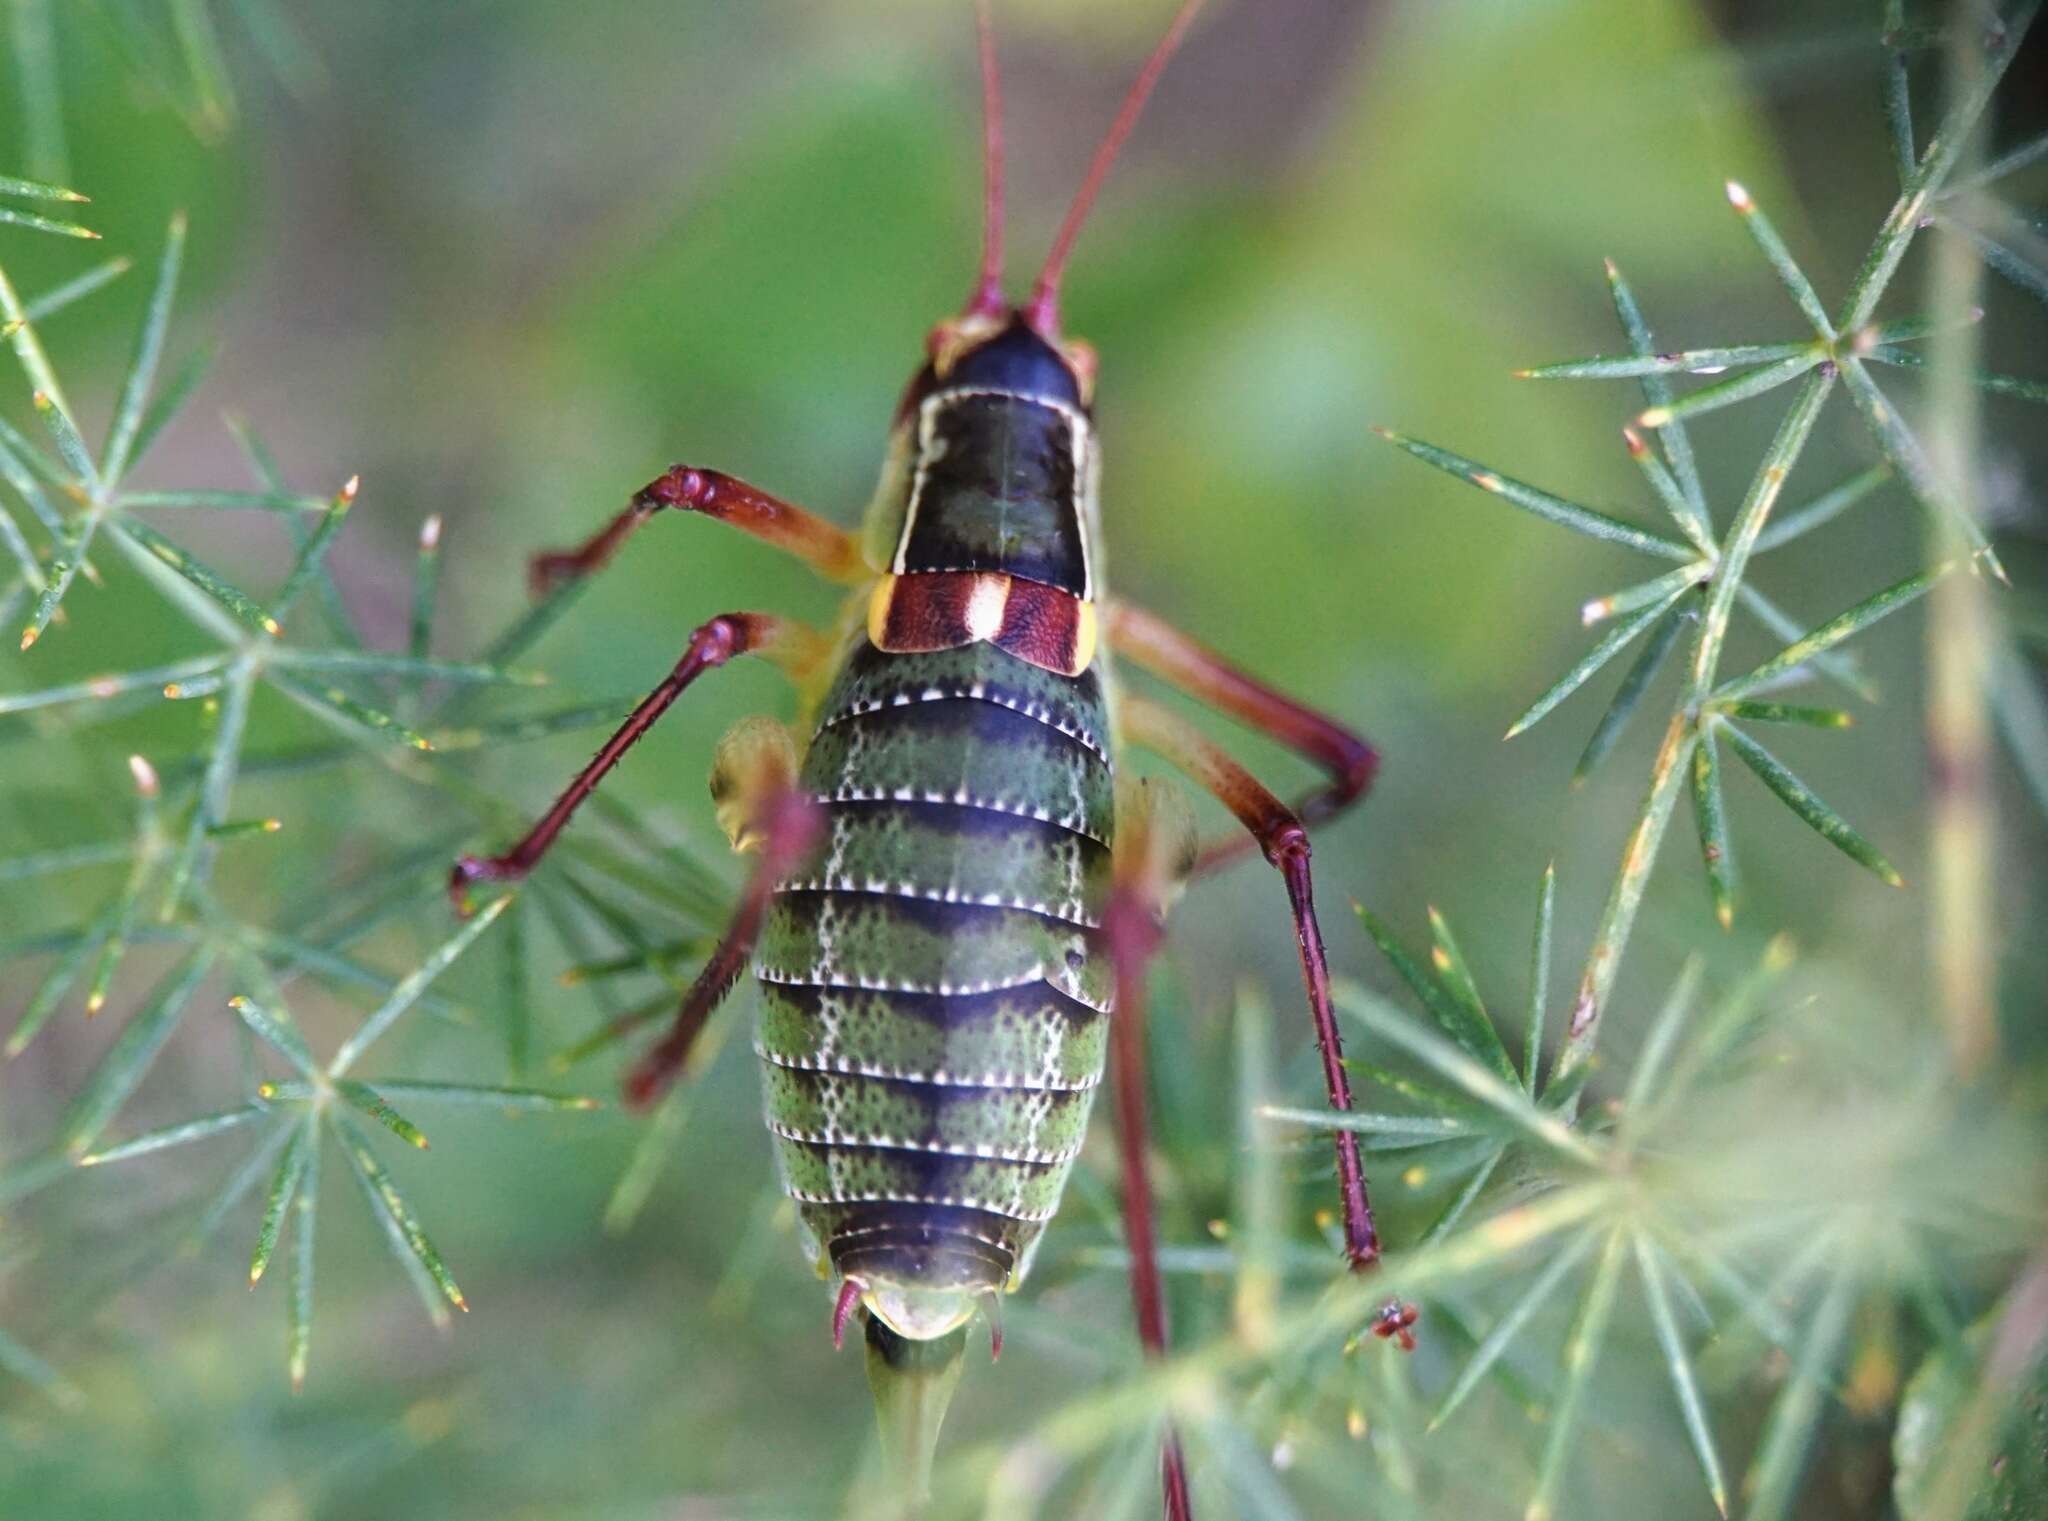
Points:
(512, 259)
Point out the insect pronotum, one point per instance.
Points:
(955, 888)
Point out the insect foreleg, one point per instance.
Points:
(789, 643)
(1154, 851)
(783, 825)
(829, 551)
(1155, 645)
(1284, 839)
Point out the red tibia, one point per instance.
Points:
(987, 300)
(830, 551)
(1288, 850)
(849, 1295)
(789, 826)
(712, 645)
(1042, 311)
(1133, 936)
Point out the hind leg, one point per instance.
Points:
(1155, 850)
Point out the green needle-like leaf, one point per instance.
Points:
(57, 982)
(1822, 510)
(74, 290)
(486, 1096)
(1553, 509)
(1465, 1021)
(170, 401)
(1457, 979)
(356, 719)
(30, 219)
(203, 1128)
(1803, 294)
(1475, 1187)
(367, 1099)
(1904, 451)
(1692, 1406)
(1617, 639)
(381, 663)
(1581, 1354)
(1898, 116)
(1787, 713)
(129, 1058)
(1676, 443)
(149, 348)
(1685, 362)
(1560, 1266)
(408, 991)
(1736, 388)
(313, 553)
(2007, 260)
(1710, 813)
(1984, 380)
(1774, 1475)
(1838, 666)
(1629, 695)
(403, 1227)
(1396, 1132)
(1539, 976)
(1658, 1044)
(1842, 626)
(1801, 799)
(299, 1280)
(284, 1184)
(1668, 489)
(278, 1034)
(39, 190)
(1657, 591)
(245, 609)
(426, 588)
(1467, 1075)
(71, 449)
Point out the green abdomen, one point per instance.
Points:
(934, 1005)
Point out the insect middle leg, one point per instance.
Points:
(831, 552)
(1280, 833)
(794, 646)
(1178, 659)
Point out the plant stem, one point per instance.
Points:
(1961, 824)
(1668, 775)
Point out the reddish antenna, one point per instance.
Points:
(987, 300)
(1042, 312)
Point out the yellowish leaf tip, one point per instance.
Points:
(1739, 198)
(255, 1273)
(179, 221)
(238, 1002)
(8, 330)
(430, 533)
(271, 826)
(94, 1003)
(1354, 1424)
(460, 1303)
(89, 1161)
(1595, 610)
(1780, 953)
(1486, 480)
(1725, 913)
(173, 691)
(571, 977)
(589, 1103)
(29, 636)
(350, 487)
(1439, 958)
(1655, 417)
(145, 776)
(1613, 270)
(1891, 875)
(1636, 447)
(272, 627)
(421, 742)
(1387, 433)
(266, 1090)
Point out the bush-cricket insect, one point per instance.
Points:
(954, 887)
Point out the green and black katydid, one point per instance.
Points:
(954, 889)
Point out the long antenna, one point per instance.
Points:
(1042, 312)
(987, 300)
